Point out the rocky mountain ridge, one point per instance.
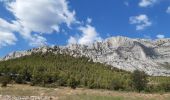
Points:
(125, 53)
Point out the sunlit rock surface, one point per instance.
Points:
(128, 54)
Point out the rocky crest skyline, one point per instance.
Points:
(151, 56)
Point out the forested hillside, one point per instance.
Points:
(63, 70)
(53, 70)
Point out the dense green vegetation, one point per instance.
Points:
(63, 70)
(139, 80)
(52, 70)
(157, 84)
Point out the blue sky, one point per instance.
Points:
(25, 24)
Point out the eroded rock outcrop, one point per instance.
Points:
(153, 57)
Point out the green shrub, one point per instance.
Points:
(165, 86)
(139, 80)
(72, 83)
(4, 80)
(19, 79)
(117, 85)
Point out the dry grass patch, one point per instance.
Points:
(64, 93)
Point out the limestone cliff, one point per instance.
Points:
(153, 57)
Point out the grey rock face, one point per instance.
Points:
(153, 57)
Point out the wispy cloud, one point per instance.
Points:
(160, 36)
(141, 21)
(168, 10)
(126, 3)
(7, 36)
(146, 3)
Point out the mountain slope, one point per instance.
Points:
(128, 54)
(63, 70)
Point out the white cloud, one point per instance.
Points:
(146, 3)
(6, 26)
(142, 21)
(89, 20)
(89, 35)
(7, 36)
(160, 36)
(168, 10)
(72, 40)
(40, 17)
(37, 40)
